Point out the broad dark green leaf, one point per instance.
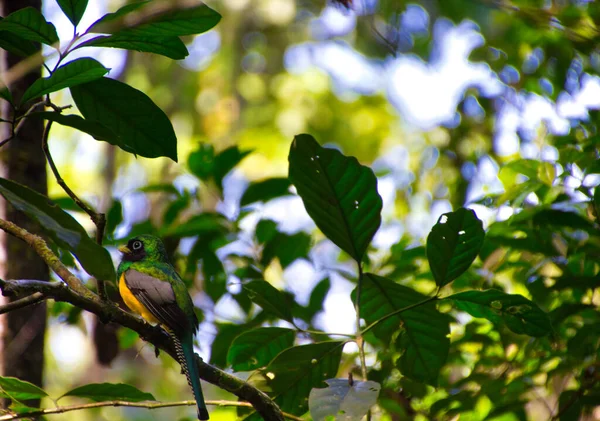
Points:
(200, 224)
(265, 230)
(171, 47)
(175, 23)
(94, 128)
(225, 161)
(215, 277)
(201, 161)
(339, 194)
(13, 388)
(114, 216)
(270, 299)
(295, 371)
(453, 244)
(257, 347)
(74, 9)
(142, 128)
(265, 190)
(424, 336)
(287, 248)
(572, 412)
(61, 227)
(341, 398)
(68, 75)
(112, 21)
(30, 24)
(520, 314)
(110, 391)
(17, 45)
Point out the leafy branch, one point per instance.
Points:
(73, 291)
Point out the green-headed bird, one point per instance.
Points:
(151, 287)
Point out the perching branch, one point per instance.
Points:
(99, 219)
(32, 299)
(73, 291)
(148, 405)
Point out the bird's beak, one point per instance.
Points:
(125, 250)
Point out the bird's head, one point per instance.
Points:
(144, 247)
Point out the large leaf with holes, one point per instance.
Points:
(257, 347)
(61, 227)
(518, 313)
(423, 338)
(294, 372)
(342, 399)
(141, 126)
(171, 47)
(339, 194)
(28, 23)
(71, 74)
(453, 244)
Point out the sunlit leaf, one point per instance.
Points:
(61, 227)
(265, 190)
(74, 9)
(98, 392)
(520, 314)
(295, 371)
(339, 194)
(141, 126)
(424, 330)
(68, 75)
(453, 244)
(13, 388)
(342, 400)
(257, 347)
(171, 47)
(30, 24)
(270, 299)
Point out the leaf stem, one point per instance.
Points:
(317, 332)
(359, 335)
(99, 219)
(117, 403)
(396, 312)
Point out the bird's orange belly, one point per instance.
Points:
(133, 303)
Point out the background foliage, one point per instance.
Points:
(466, 237)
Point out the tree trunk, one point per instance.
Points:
(21, 160)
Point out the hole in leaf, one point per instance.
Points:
(270, 375)
(443, 219)
(462, 232)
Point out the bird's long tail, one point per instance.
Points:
(185, 353)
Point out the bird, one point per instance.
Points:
(151, 288)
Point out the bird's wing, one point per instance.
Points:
(158, 297)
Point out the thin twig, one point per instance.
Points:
(359, 336)
(117, 403)
(34, 298)
(98, 219)
(19, 125)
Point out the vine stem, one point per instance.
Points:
(116, 403)
(99, 219)
(359, 335)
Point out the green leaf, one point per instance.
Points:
(295, 371)
(453, 244)
(265, 190)
(95, 129)
(351, 402)
(424, 337)
(225, 161)
(171, 47)
(569, 406)
(339, 194)
(141, 126)
(98, 392)
(520, 314)
(287, 248)
(201, 161)
(114, 216)
(6, 95)
(74, 9)
(13, 388)
(257, 347)
(114, 19)
(16, 45)
(61, 227)
(29, 23)
(201, 224)
(68, 75)
(175, 23)
(270, 299)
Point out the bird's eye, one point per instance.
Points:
(137, 245)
